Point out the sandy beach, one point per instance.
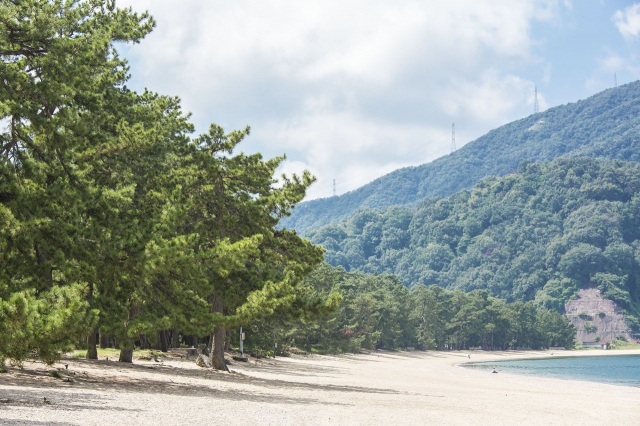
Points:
(387, 388)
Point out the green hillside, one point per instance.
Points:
(538, 234)
(604, 126)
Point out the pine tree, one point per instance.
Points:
(234, 205)
(62, 88)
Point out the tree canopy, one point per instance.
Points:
(379, 312)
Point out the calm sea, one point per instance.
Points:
(614, 369)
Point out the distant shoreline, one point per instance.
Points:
(565, 353)
(622, 369)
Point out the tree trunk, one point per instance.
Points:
(92, 349)
(126, 343)
(104, 341)
(175, 343)
(126, 351)
(217, 354)
(163, 340)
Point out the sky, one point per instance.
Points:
(352, 89)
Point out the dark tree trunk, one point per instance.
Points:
(217, 354)
(163, 341)
(175, 343)
(144, 343)
(126, 343)
(191, 341)
(126, 352)
(92, 349)
(104, 341)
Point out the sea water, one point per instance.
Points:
(613, 369)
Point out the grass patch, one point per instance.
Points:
(621, 344)
(110, 353)
(114, 354)
(147, 355)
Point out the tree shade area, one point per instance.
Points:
(538, 234)
(113, 219)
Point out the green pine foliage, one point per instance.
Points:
(379, 312)
(62, 108)
(41, 325)
(112, 217)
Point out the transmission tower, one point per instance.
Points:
(334, 187)
(453, 137)
(536, 108)
(615, 80)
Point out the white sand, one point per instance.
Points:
(381, 388)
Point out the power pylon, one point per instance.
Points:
(453, 137)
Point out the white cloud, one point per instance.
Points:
(628, 21)
(348, 89)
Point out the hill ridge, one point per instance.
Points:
(603, 125)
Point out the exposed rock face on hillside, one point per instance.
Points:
(596, 319)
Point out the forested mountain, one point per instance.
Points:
(602, 126)
(538, 234)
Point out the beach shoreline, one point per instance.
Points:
(400, 388)
(486, 356)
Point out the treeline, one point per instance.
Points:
(379, 312)
(114, 220)
(538, 234)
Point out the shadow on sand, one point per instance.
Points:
(80, 387)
